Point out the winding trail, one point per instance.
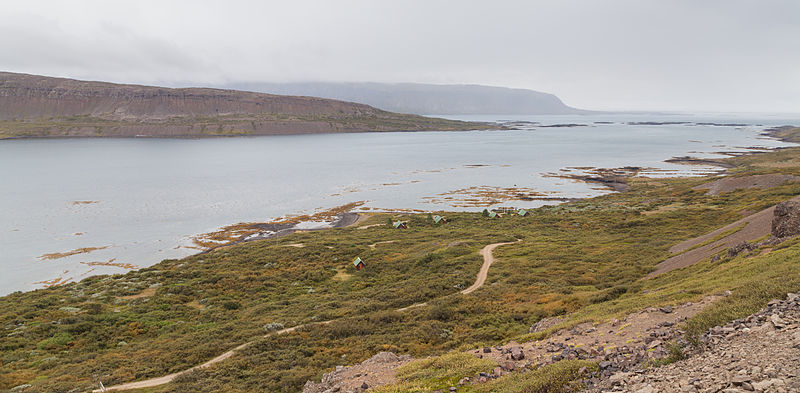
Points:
(488, 259)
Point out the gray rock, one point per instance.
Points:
(619, 377)
(786, 219)
(654, 344)
(517, 354)
(740, 379)
(384, 357)
(544, 324)
(777, 321)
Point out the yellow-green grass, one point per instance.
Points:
(438, 372)
(720, 236)
(553, 378)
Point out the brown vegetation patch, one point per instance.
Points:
(195, 304)
(84, 202)
(373, 245)
(226, 234)
(54, 282)
(614, 179)
(664, 209)
(369, 226)
(686, 160)
(83, 250)
(728, 184)
(342, 275)
(111, 262)
(362, 218)
(146, 293)
(484, 196)
(783, 164)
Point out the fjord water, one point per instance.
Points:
(142, 199)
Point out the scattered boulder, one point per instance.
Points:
(786, 219)
(359, 377)
(777, 321)
(544, 324)
(383, 357)
(740, 248)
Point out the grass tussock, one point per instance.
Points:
(438, 372)
(553, 378)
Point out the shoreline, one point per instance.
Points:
(610, 178)
(279, 230)
(497, 127)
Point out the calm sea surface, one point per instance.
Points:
(143, 199)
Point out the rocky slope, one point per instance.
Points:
(760, 353)
(34, 106)
(375, 371)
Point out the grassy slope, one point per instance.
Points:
(583, 258)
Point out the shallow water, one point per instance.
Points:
(144, 198)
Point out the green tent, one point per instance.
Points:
(492, 214)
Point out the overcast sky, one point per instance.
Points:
(725, 55)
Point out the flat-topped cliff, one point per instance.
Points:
(39, 106)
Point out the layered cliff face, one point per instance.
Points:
(33, 97)
(427, 99)
(32, 106)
